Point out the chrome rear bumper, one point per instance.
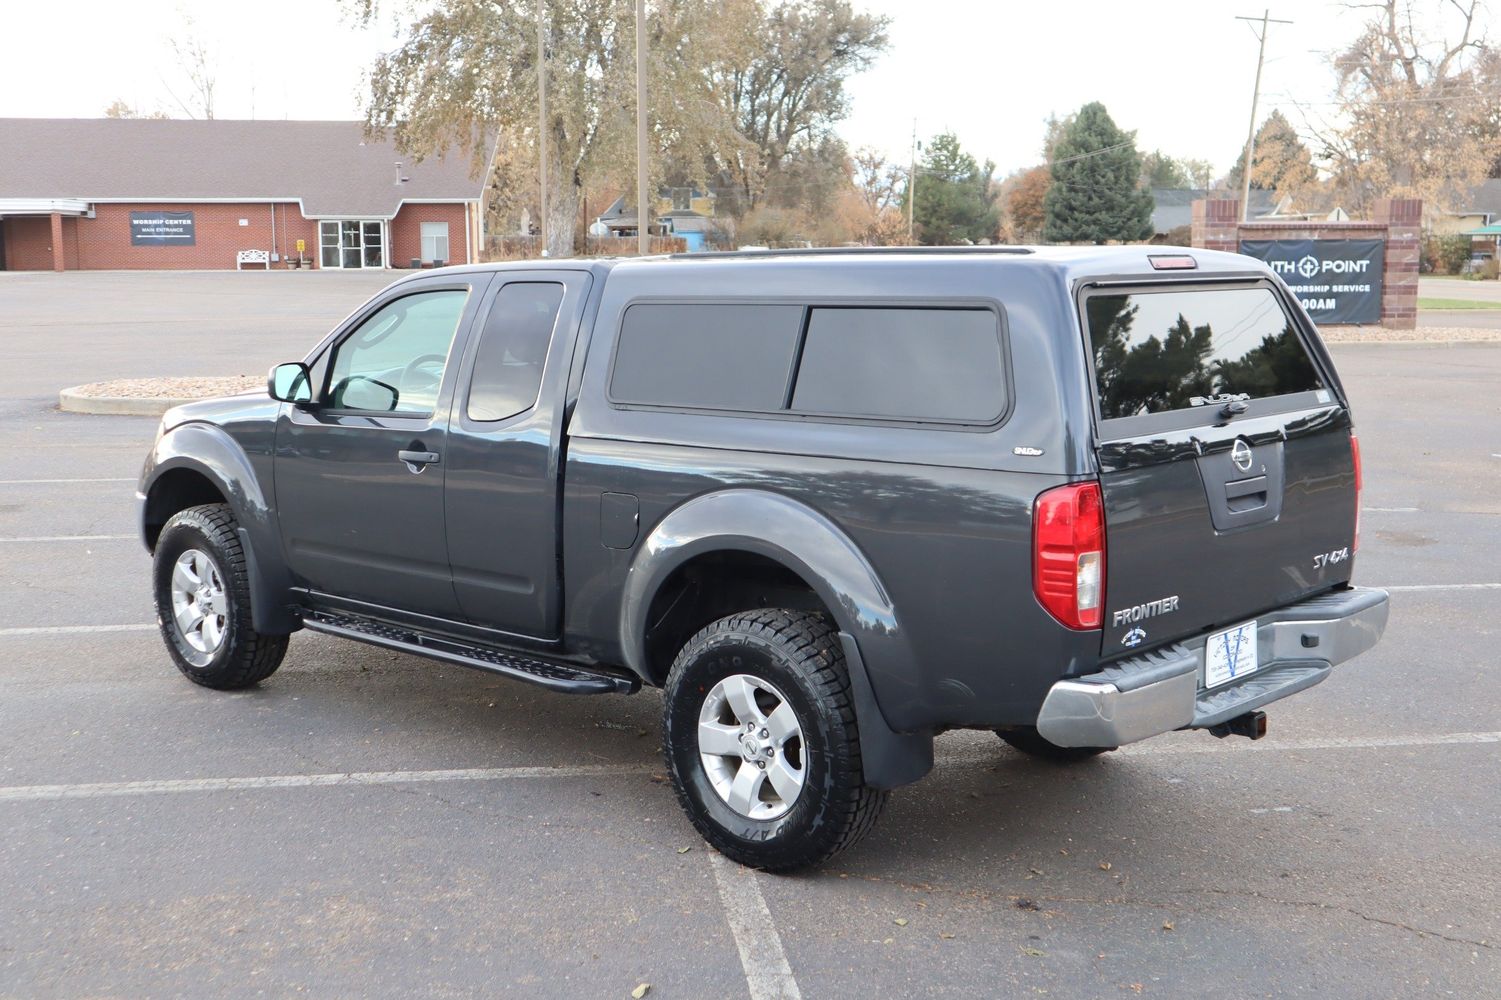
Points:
(1158, 692)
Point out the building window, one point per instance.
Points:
(434, 242)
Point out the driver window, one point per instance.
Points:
(394, 362)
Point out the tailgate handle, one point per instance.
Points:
(1246, 494)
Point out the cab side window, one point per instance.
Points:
(513, 349)
(394, 362)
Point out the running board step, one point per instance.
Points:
(549, 674)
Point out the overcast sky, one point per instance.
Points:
(1177, 71)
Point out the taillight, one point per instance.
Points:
(1068, 554)
(1359, 483)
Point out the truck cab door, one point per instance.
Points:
(359, 472)
(504, 456)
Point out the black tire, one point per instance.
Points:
(799, 655)
(242, 656)
(1030, 742)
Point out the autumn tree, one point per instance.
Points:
(1025, 215)
(1419, 91)
(198, 69)
(465, 78)
(874, 214)
(1280, 162)
(120, 109)
(1096, 193)
(784, 86)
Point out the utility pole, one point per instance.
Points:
(912, 186)
(1245, 170)
(643, 238)
(542, 121)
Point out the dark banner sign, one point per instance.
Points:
(161, 229)
(1338, 281)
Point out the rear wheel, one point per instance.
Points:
(762, 742)
(1030, 742)
(203, 602)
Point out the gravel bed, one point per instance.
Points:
(171, 388)
(1423, 334)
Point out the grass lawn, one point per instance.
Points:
(1456, 304)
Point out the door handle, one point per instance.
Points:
(416, 461)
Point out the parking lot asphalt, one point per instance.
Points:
(371, 824)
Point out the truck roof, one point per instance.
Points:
(1066, 262)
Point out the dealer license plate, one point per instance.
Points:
(1230, 655)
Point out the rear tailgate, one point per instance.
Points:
(1225, 454)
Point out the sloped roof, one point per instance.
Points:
(1484, 198)
(331, 167)
(1173, 207)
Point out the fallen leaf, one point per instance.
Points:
(888, 940)
(946, 935)
(640, 991)
(1167, 925)
(900, 921)
(684, 850)
(1034, 952)
(1027, 904)
(1104, 866)
(1035, 871)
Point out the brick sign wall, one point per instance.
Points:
(1396, 222)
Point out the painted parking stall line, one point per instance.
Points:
(67, 538)
(55, 482)
(1399, 588)
(761, 954)
(177, 786)
(17, 633)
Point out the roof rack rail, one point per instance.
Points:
(848, 251)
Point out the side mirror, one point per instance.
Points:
(290, 383)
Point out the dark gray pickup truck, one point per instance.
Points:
(834, 503)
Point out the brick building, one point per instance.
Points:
(78, 193)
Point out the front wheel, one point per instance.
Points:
(762, 743)
(203, 602)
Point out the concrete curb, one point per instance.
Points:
(70, 401)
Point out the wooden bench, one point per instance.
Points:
(253, 257)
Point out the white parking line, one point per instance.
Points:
(109, 789)
(73, 629)
(1446, 586)
(1149, 748)
(761, 956)
(1389, 510)
(70, 538)
(40, 482)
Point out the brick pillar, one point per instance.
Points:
(57, 241)
(1399, 295)
(1216, 224)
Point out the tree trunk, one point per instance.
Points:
(562, 218)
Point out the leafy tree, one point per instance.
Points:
(1280, 161)
(1095, 195)
(873, 214)
(119, 109)
(1200, 174)
(1158, 170)
(955, 196)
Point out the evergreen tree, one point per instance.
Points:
(1095, 195)
(955, 195)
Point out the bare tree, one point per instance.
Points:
(1417, 98)
(197, 65)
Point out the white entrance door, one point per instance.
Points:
(351, 243)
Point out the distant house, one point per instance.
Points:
(1172, 208)
(1479, 218)
(88, 193)
(687, 212)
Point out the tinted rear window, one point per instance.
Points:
(903, 364)
(1171, 350)
(714, 355)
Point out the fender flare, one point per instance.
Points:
(806, 542)
(211, 453)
